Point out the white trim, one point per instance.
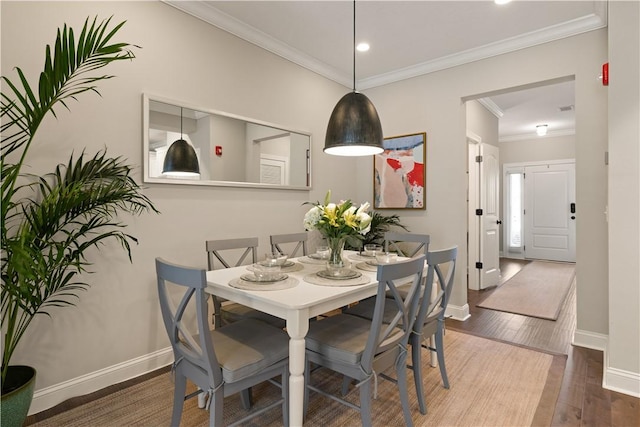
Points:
(533, 135)
(545, 35)
(491, 106)
(590, 340)
(207, 12)
(49, 397)
(458, 312)
(538, 163)
(621, 381)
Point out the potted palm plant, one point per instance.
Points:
(50, 222)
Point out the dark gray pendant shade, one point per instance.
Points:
(181, 160)
(354, 127)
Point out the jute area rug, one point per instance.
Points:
(492, 384)
(538, 290)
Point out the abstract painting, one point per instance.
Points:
(399, 173)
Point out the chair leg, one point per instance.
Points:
(401, 372)
(365, 403)
(346, 382)
(180, 388)
(440, 353)
(416, 361)
(246, 398)
(285, 396)
(307, 379)
(216, 408)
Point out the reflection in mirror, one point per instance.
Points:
(231, 150)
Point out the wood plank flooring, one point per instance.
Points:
(582, 400)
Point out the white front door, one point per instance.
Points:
(549, 215)
(489, 263)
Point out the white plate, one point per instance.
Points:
(253, 278)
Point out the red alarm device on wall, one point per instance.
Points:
(605, 74)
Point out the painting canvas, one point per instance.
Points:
(399, 173)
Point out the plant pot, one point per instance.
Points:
(21, 381)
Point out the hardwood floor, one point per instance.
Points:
(582, 400)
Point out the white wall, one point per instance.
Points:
(539, 149)
(622, 361)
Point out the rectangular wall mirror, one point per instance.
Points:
(232, 151)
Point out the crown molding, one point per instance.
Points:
(567, 29)
(208, 13)
(491, 106)
(533, 135)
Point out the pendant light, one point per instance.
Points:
(354, 126)
(181, 159)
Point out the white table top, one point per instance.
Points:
(303, 297)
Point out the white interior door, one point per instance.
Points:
(490, 218)
(550, 224)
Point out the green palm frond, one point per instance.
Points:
(50, 223)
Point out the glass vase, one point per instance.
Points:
(336, 245)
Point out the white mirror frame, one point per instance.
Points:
(147, 178)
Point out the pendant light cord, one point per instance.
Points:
(354, 45)
(180, 122)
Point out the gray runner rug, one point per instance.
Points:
(538, 290)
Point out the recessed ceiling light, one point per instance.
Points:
(541, 130)
(362, 47)
(501, 1)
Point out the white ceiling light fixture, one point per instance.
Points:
(541, 130)
(501, 1)
(363, 47)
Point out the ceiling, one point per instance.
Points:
(412, 38)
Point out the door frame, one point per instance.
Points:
(473, 200)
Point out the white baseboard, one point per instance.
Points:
(590, 340)
(49, 397)
(621, 381)
(458, 312)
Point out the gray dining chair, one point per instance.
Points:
(284, 243)
(361, 348)
(430, 319)
(406, 244)
(228, 253)
(430, 316)
(223, 361)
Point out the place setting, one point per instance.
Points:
(368, 253)
(336, 274)
(380, 258)
(268, 275)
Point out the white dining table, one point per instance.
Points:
(296, 305)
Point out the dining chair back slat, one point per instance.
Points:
(229, 253)
(406, 244)
(278, 242)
